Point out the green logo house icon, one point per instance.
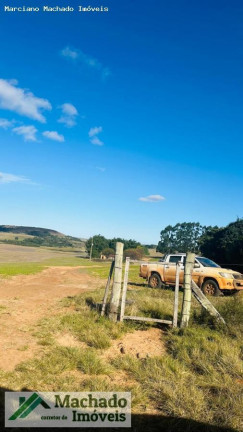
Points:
(27, 406)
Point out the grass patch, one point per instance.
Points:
(25, 268)
(149, 302)
(202, 351)
(134, 275)
(97, 269)
(23, 348)
(46, 330)
(179, 389)
(56, 361)
(89, 327)
(101, 270)
(71, 261)
(51, 371)
(2, 309)
(232, 312)
(169, 385)
(91, 364)
(199, 377)
(83, 322)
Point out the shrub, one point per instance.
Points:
(135, 254)
(108, 252)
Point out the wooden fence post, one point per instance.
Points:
(107, 288)
(187, 295)
(116, 290)
(175, 314)
(124, 291)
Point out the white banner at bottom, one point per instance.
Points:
(60, 409)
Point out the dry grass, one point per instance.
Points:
(19, 254)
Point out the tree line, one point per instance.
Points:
(221, 244)
(107, 247)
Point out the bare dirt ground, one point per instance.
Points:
(140, 344)
(25, 300)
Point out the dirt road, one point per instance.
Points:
(24, 300)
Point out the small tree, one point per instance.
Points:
(128, 244)
(107, 252)
(135, 254)
(99, 243)
(145, 250)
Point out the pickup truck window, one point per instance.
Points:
(196, 264)
(175, 258)
(207, 262)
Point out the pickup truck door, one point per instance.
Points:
(170, 269)
(196, 272)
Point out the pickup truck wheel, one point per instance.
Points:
(210, 287)
(155, 281)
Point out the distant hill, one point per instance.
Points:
(33, 231)
(35, 236)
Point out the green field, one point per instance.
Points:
(13, 269)
(26, 268)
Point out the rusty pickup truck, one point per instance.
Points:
(209, 276)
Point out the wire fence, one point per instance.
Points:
(142, 303)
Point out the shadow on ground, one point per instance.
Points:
(138, 284)
(140, 422)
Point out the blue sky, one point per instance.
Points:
(121, 122)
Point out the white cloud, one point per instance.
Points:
(95, 131)
(91, 62)
(67, 121)
(53, 135)
(70, 53)
(101, 169)
(96, 141)
(69, 114)
(69, 109)
(5, 124)
(152, 198)
(22, 101)
(10, 178)
(28, 132)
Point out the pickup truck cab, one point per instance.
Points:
(209, 276)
